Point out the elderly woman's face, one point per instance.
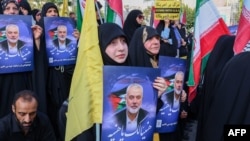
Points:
(11, 9)
(51, 12)
(152, 45)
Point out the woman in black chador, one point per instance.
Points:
(222, 52)
(230, 104)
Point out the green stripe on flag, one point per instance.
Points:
(110, 15)
(79, 16)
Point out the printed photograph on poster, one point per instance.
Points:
(173, 70)
(61, 45)
(16, 44)
(129, 103)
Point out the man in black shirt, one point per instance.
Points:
(26, 123)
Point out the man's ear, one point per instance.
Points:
(13, 109)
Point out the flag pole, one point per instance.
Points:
(98, 12)
(98, 130)
(105, 11)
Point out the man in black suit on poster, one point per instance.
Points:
(62, 42)
(133, 115)
(12, 45)
(174, 98)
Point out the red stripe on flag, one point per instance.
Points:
(211, 36)
(207, 42)
(196, 69)
(116, 5)
(242, 37)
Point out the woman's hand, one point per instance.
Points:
(161, 85)
(76, 34)
(183, 114)
(37, 31)
(183, 96)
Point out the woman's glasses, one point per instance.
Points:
(140, 16)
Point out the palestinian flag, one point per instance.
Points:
(114, 12)
(243, 37)
(53, 33)
(209, 26)
(2, 34)
(117, 99)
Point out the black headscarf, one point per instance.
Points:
(130, 23)
(34, 13)
(230, 104)
(106, 33)
(24, 4)
(46, 7)
(220, 55)
(137, 53)
(166, 48)
(4, 3)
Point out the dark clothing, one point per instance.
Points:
(4, 45)
(166, 48)
(58, 78)
(25, 4)
(220, 55)
(34, 12)
(121, 117)
(232, 89)
(10, 84)
(56, 43)
(130, 24)
(41, 129)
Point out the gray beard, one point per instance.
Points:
(178, 92)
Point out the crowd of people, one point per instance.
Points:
(33, 104)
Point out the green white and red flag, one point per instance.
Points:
(183, 17)
(209, 26)
(114, 12)
(243, 37)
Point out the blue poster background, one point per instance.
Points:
(57, 57)
(167, 117)
(116, 79)
(23, 61)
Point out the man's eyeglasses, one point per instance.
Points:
(140, 16)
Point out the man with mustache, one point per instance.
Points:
(12, 45)
(132, 116)
(26, 123)
(62, 42)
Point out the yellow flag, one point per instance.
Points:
(64, 11)
(85, 100)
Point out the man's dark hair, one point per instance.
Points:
(27, 95)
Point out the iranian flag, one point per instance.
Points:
(183, 17)
(114, 12)
(80, 6)
(209, 26)
(153, 21)
(243, 37)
